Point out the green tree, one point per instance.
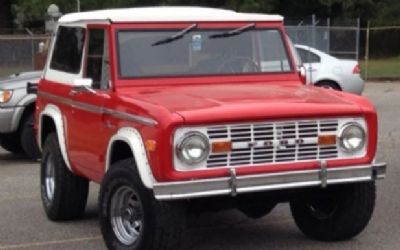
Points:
(384, 12)
(351, 8)
(36, 9)
(388, 13)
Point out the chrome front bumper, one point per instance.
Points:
(233, 184)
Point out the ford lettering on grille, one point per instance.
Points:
(272, 142)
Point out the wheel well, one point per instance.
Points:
(320, 82)
(120, 150)
(29, 109)
(48, 127)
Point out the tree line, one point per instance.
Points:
(379, 12)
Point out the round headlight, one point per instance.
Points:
(352, 137)
(193, 148)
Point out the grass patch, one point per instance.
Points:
(382, 68)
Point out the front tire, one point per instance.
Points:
(63, 193)
(130, 216)
(336, 213)
(11, 143)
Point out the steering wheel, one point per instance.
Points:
(239, 64)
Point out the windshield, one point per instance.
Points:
(193, 51)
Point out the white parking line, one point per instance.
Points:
(49, 243)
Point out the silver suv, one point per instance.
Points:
(17, 109)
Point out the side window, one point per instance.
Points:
(308, 56)
(67, 53)
(97, 63)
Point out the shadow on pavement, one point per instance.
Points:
(227, 230)
(6, 156)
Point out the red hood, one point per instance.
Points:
(230, 102)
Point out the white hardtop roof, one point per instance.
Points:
(166, 14)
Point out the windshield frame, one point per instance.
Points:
(177, 26)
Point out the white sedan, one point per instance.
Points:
(330, 72)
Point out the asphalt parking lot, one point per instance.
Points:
(23, 224)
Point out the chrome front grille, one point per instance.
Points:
(272, 142)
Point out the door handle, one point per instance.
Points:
(73, 92)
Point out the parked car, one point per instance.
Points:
(188, 108)
(17, 109)
(330, 72)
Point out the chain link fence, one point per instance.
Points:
(20, 52)
(381, 54)
(377, 48)
(340, 39)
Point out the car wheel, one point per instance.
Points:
(11, 143)
(63, 193)
(336, 213)
(130, 216)
(258, 210)
(328, 85)
(28, 141)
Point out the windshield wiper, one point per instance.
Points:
(176, 36)
(233, 32)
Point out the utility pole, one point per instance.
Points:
(314, 31)
(366, 58)
(78, 5)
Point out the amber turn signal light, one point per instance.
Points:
(5, 95)
(150, 145)
(221, 147)
(326, 139)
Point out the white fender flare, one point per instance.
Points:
(55, 114)
(133, 138)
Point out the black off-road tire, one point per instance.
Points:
(328, 85)
(336, 213)
(28, 141)
(11, 143)
(256, 211)
(163, 223)
(69, 191)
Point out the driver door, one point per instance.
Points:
(90, 137)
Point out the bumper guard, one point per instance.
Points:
(233, 184)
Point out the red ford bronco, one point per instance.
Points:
(179, 109)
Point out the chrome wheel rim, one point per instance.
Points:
(126, 215)
(50, 178)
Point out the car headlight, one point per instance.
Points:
(5, 95)
(193, 148)
(352, 137)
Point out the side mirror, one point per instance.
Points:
(303, 74)
(83, 82)
(82, 85)
(31, 88)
